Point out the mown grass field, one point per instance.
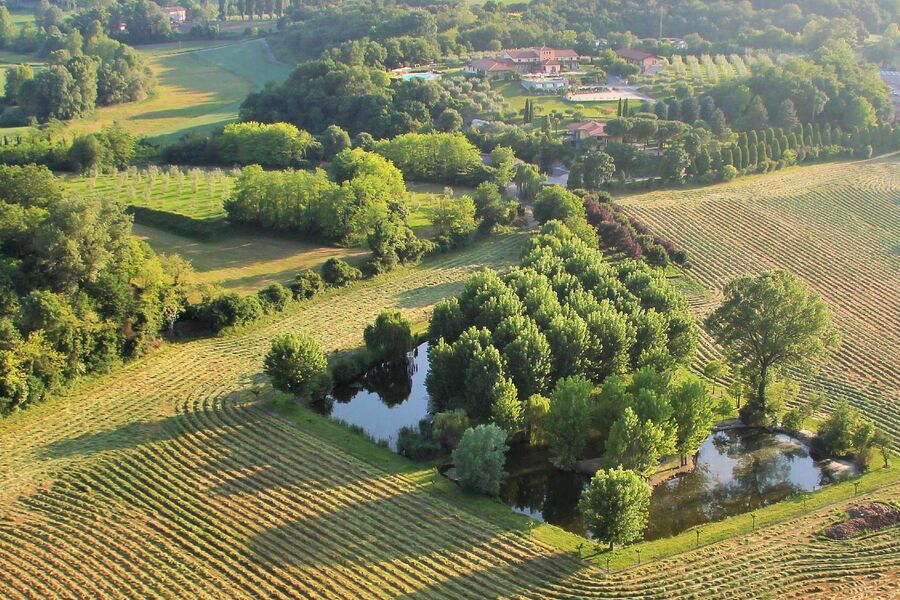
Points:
(171, 478)
(200, 85)
(835, 225)
(243, 262)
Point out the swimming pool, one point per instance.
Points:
(427, 76)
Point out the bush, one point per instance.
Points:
(679, 257)
(338, 272)
(306, 284)
(479, 459)
(230, 309)
(793, 420)
(389, 338)
(348, 367)
(296, 364)
(449, 427)
(273, 298)
(414, 446)
(656, 255)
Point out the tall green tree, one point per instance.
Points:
(567, 421)
(389, 339)
(771, 322)
(296, 364)
(616, 506)
(479, 459)
(693, 414)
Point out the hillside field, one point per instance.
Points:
(199, 86)
(835, 225)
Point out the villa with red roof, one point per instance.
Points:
(642, 60)
(587, 132)
(542, 60)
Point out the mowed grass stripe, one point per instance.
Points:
(835, 225)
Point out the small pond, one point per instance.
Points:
(385, 400)
(738, 470)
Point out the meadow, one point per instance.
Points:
(200, 86)
(834, 225)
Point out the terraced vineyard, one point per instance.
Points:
(835, 225)
(169, 478)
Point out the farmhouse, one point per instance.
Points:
(177, 14)
(642, 60)
(542, 60)
(490, 67)
(588, 132)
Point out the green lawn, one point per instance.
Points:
(516, 96)
(200, 86)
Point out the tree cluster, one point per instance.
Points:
(563, 313)
(78, 294)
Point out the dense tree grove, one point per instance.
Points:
(360, 98)
(86, 67)
(563, 313)
(438, 157)
(270, 145)
(77, 293)
(344, 204)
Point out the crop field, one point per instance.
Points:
(170, 478)
(192, 192)
(835, 225)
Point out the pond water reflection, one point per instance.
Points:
(385, 400)
(738, 470)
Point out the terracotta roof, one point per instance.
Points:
(490, 64)
(526, 53)
(589, 128)
(565, 53)
(550, 62)
(634, 54)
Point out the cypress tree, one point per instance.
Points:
(619, 108)
(728, 157)
(776, 150)
(751, 155)
(762, 152)
(752, 138)
(739, 155)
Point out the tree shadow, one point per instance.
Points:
(427, 295)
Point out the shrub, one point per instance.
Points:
(296, 364)
(479, 459)
(230, 310)
(414, 446)
(389, 338)
(793, 420)
(679, 257)
(338, 272)
(348, 367)
(656, 255)
(306, 284)
(273, 298)
(449, 427)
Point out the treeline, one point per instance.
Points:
(273, 145)
(86, 69)
(78, 294)
(110, 147)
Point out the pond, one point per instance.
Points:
(385, 400)
(738, 470)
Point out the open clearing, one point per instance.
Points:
(200, 85)
(168, 478)
(246, 263)
(835, 225)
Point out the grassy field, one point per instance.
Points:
(200, 85)
(246, 263)
(835, 225)
(516, 95)
(169, 478)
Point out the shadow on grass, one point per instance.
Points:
(427, 295)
